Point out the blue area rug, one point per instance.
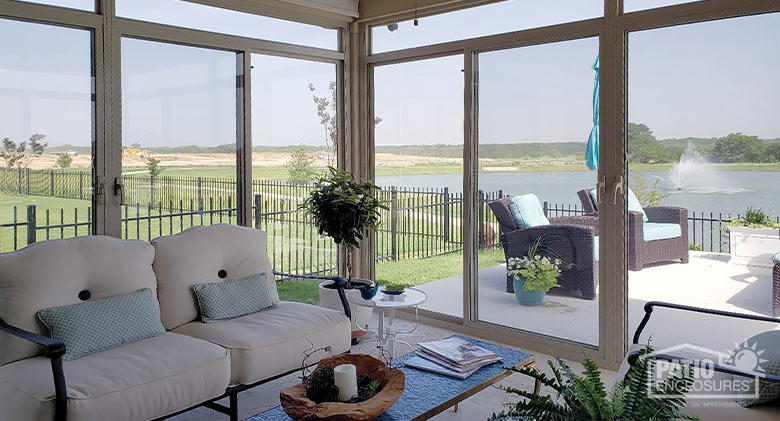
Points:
(424, 390)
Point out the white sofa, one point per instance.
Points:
(192, 364)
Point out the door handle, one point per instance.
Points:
(601, 189)
(617, 187)
(119, 190)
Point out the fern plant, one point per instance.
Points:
(584, 396)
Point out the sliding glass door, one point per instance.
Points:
(537, 247)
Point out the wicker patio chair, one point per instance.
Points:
(776, 290)
(569, 238)
(640, 252)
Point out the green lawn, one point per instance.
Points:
(406, 272)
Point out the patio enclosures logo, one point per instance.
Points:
(700, 364)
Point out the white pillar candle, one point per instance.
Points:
(345, 376)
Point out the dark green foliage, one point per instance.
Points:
(737, 147)
(342, 207)
(300, 167)
(644, 148)
(754, 218)
(584, 397)
(64, 161)
(153, 165)
(321, 386)
(367, 388)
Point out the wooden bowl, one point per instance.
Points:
(299, 407)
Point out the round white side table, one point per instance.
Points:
(387, 304)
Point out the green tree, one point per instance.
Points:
(644, 148)
(300, 167)
(153, 165)
(19, 155)
(772, 151)
(738, 147)
(64, 161)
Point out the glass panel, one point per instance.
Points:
(88, 5)
(419, 165)
(535, 115)
(496, 18)
(703, 142)
(214, 19)
(178, 137)
(293, 140)
(634, 5)
(47, 127)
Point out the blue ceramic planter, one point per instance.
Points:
(527, 298)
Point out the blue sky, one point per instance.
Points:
(700, 80)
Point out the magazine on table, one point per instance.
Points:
(453, 356)
(457, 350)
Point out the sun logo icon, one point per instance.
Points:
(747, 357)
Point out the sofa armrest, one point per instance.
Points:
(667, 214)
(53, 350)
(340, 285)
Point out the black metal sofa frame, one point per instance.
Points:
(54, 350)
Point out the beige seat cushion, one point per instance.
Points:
(196, 256)
(52, 273)
(272, 342)
(143, 380)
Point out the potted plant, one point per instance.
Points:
(753, 238)
(584, 397)
(534, 274)
(344, 209)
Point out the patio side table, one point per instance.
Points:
(387, 304)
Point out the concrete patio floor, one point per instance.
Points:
(709, 280)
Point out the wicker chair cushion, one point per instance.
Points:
(635, 206)
(596, 248)
(527, 211)
(657, 231)
(776, 258)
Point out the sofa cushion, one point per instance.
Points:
(527, 211)
(228, 300)
(635, 206)
(94, 326)
(271, 342)
(143, 380)
(54, 273)
(659, 231)
(201, 255)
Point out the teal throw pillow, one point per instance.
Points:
(527, 211)
(231, 299)
(100, 325)
(635, 206)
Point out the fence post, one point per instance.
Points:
(446, 215)
(81, 185)
(151, 189)
(51, 181)
(200, 194)
(394, 223)
(28, 181)
(258, 201)
(19, 183)
(546, 207)
(30, 224)
(481, 219)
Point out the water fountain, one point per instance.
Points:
(693, 174)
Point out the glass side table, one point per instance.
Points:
(387, 304)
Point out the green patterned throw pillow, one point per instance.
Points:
(231, 299)
(100, 325)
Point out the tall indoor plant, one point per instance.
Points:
(344, 209)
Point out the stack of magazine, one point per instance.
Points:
(453, 356)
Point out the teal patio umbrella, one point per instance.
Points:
(592, 149)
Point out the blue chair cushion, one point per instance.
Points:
(594, 199)
(635, 206)
(658, 231)
(596, 248)
(527, 211)
(776, 258)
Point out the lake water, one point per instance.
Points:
(725, 192)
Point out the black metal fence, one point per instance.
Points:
(418, 222)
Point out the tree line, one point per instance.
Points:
(644, 148)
